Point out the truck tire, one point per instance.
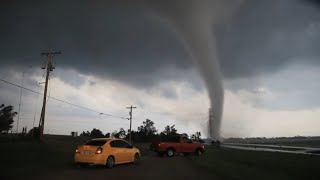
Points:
(170, 152)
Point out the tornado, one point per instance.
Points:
(193, 21)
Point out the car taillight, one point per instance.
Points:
(77, 151)
(159, 145)
(99, 150)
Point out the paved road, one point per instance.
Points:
(150, 168)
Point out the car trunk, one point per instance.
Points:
(89, 149)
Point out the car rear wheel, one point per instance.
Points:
(170, 152)
(136, 159)
(110, 162)
(198, 152)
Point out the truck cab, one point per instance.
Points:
(170, 145)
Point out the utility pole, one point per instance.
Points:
(49, 66)
(130, 113)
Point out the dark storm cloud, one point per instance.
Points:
(100, 38)
(266, 35)
(120, 41)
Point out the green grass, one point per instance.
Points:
(241, 164)
(25, 156)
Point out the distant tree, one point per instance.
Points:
(107, 135)
(6, 118)
(85, 133)
(147, 128)
(196, 136)
(96, 133)
(169, 130)
(122, 133)
(35, 132)
(115, 134)
(146, 132)
(193, 137)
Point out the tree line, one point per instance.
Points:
(145, 133)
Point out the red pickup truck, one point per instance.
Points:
(170, 145)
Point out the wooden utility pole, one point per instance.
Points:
(130, 113)
(49, 66)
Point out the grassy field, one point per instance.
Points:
(240, 164)
(22, 157)
(25, 157)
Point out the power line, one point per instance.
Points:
(100, 113)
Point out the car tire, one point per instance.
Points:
(137, 158)
(110, 162)
(198, 152)
(170, 152)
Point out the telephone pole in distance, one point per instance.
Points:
(130, 113)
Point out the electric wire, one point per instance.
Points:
(63, 101)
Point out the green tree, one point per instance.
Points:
(196, 136)
(146, 132)
(107, 135)
(169, 130)
(147, 128)
(121, 134)
(96, 133)
(85, 133)
(35, 132)
(115, 134)
(6, 118)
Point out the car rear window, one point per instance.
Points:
(96, 142)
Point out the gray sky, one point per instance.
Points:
(115, 55)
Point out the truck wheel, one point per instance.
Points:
(198, 152)
(170, 152)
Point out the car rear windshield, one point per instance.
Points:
(96, 142)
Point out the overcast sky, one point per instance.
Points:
(116, 54)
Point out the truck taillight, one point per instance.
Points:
(99, 150)
(77, 151)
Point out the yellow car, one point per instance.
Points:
(106, 151)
